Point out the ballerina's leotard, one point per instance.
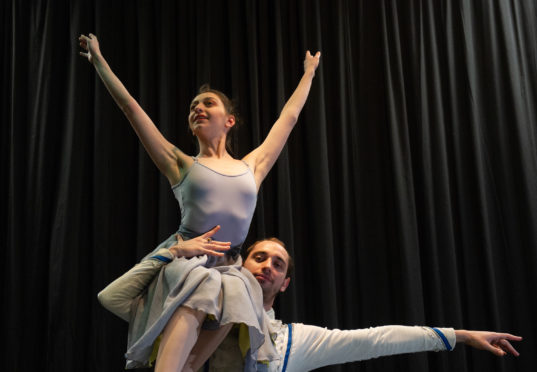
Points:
(225, 291)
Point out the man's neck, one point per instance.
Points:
(267, 304)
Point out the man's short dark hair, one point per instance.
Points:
(290, 261)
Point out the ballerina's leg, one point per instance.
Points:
(208, 341)
(179, 337)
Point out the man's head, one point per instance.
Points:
(271, 265)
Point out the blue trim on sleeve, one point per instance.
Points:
(162, 258)
(289, 342)
(444, 339)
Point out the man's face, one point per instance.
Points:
(268, 263)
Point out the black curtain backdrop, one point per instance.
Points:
(406, 193)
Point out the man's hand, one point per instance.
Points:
(203, 244)
(496, 343)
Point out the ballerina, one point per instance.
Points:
(213, 189)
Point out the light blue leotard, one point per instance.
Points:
(208, 198)
(227, 291)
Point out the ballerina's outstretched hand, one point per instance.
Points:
(91, 46)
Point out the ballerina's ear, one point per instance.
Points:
(230, 121)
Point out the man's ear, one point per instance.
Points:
(285, 284)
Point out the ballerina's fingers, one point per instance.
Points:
(311, 61)
(83, 42)
(83, 39)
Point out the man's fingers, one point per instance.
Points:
(214, 244)
(220, 247)
(494, 349)
(213, 253)
(506, 346)
(223, 244)
(211, 232)
(511, 337)
(217, 244)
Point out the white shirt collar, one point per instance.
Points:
(271, 314)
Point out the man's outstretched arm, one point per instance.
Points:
(314, 347)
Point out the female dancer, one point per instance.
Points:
(213, 189)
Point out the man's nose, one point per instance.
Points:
(267, 265)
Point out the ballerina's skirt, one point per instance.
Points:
(227, 293)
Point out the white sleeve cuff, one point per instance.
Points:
(446, 337)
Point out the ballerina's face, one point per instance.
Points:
(209, 116)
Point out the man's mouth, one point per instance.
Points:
(199, 117)
(262, 277)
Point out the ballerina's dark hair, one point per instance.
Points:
(231, 109)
